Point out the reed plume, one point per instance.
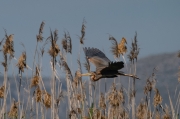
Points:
(134, 50)
(8, 47)
(148, 87)
(54, 49)
(36, 78)
(82, 32)
(142, 111)
(157, 98)
(22, 62)
(122, 47)
(166, 114)
(46, 97)
(102, 103)
(13, 113)
(65, 66)
(157, 114)
(66, 42)
(114, 47)
(39, 37)
(2, 91)
(38, 94)
(87, 65)
(118, 48)
(115, 97)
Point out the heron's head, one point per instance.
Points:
(93, 76)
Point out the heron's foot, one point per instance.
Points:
(134, 76)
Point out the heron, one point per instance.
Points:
(104, 67)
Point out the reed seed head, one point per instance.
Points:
(122, 49)
(73, 114)
(157, 98)
(118, 49)
(13, 113)
(134, 50)
(22, 62)
(114, 47)
(8, 47)
(54, 50)
(166, 114)
(141, 111)
(83, 32)
(149, 86)
(35, 81)
(46, 99)
(76, 79)
(115, 97)
(121, 96)
(38, 94)
(102, 103)
(96, 114)
(2, 91)
(41, 27)
(87, 64)
(132, 93)
(157, 114)
(66, 42)
(80, 97)
(39, 36)
(123, 114)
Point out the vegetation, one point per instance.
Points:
(85, 98)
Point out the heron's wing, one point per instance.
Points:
(113, 66)
(97, 57)
(91, 52)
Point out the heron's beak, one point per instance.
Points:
(86, 74)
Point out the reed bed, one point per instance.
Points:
(84, 98)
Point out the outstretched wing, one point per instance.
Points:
(113, 66)
(97, 57)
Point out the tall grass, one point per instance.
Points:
(85, 98)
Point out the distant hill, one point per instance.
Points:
(166, 75)
(167, 65)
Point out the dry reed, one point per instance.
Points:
(13, 113)
(157, 98)
(21, 62)
(46, 97)
(2, 92)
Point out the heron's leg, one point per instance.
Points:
(130, 75)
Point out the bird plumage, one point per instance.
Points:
(104, 67)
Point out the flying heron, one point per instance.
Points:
(104, 67)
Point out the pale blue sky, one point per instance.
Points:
(156, 22)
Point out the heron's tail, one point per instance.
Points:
(130, 75)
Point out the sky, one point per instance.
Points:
(157, 24)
